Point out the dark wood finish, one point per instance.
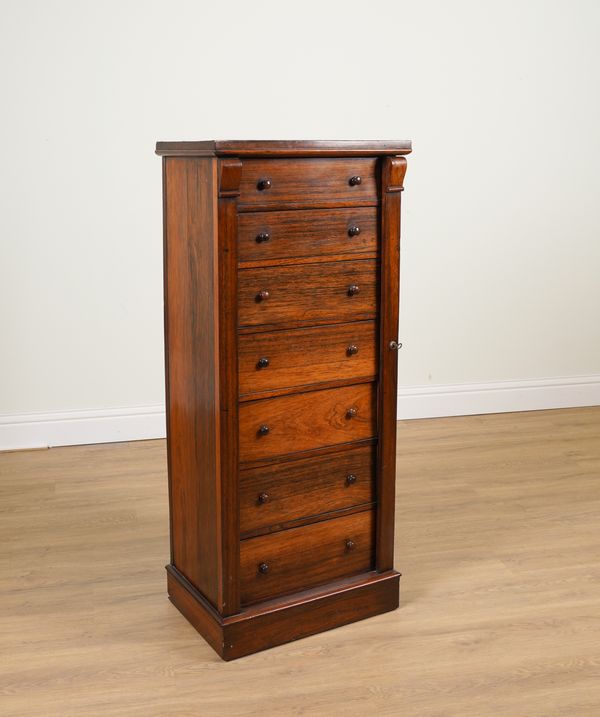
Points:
(308, 233)
(305, 421)
(393, 172)
(313, 452)
(192, 341)
(303, 557)
(281, 289)
(166, 351)
(277, 183)
(230, 171)
(285, 148)
(196, 608)
(309, 519)
(309, 294)
(275, 622)
(278, 494)
(281, 359)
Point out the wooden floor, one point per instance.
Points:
(498, 538)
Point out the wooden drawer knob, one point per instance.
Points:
(262, 362)
(263, 430)
(351, 479)
(351, 412)
(263, 568)
(352, 350)
(353, 289)
(262, 295)
(350, 545)
(353, 231)
(354, 181)
(263, 498)
(264, 184)
(262, 237)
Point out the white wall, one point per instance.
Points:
(501, 245)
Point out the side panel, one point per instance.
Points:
(392, 176)
(191, 345)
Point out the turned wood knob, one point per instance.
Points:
(353, 231)
(263, 498)
(353, 290)
(350, 545)
(263, 568)
(352, 350)
(263, 430)
(262, 237)
(351, 412)
(262, 295)
(354, 181)
(264, 184)
(351, 479)
(262, 362)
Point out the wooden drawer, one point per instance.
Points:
(308, 293)
(300, 558)
(277, 360)
(264, 237)
(271, 496)
(307, 182)
(300, 422)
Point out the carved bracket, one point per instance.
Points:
(230, 175)
(392, 174)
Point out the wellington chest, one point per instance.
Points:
(281, 333)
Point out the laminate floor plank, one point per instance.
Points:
(497, 537)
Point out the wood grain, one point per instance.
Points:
(312, 232)
(305, 488)
(344, 602)
(287, 618)
(300, 357)
(191, 285)
(325, 400)
(316, 182)
(305, 421)
(496, 535)
(227, 549)
(393, 170)
(300, 558)
(308, 294)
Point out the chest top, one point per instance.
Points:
(284, 148)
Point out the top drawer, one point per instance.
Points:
(277, 183)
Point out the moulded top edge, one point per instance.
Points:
(283, 148)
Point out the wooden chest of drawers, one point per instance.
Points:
(281, 315)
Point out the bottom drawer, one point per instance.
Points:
(300, 558)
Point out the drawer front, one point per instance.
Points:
(272, 495)
(326, 182)
(301, 558)
(308, 293)
(283, 359)
(300, 422)
(266, 236)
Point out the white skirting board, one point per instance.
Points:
(498, 397)
(68, 428)
(73, 428)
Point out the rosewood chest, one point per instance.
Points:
(281, 319)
